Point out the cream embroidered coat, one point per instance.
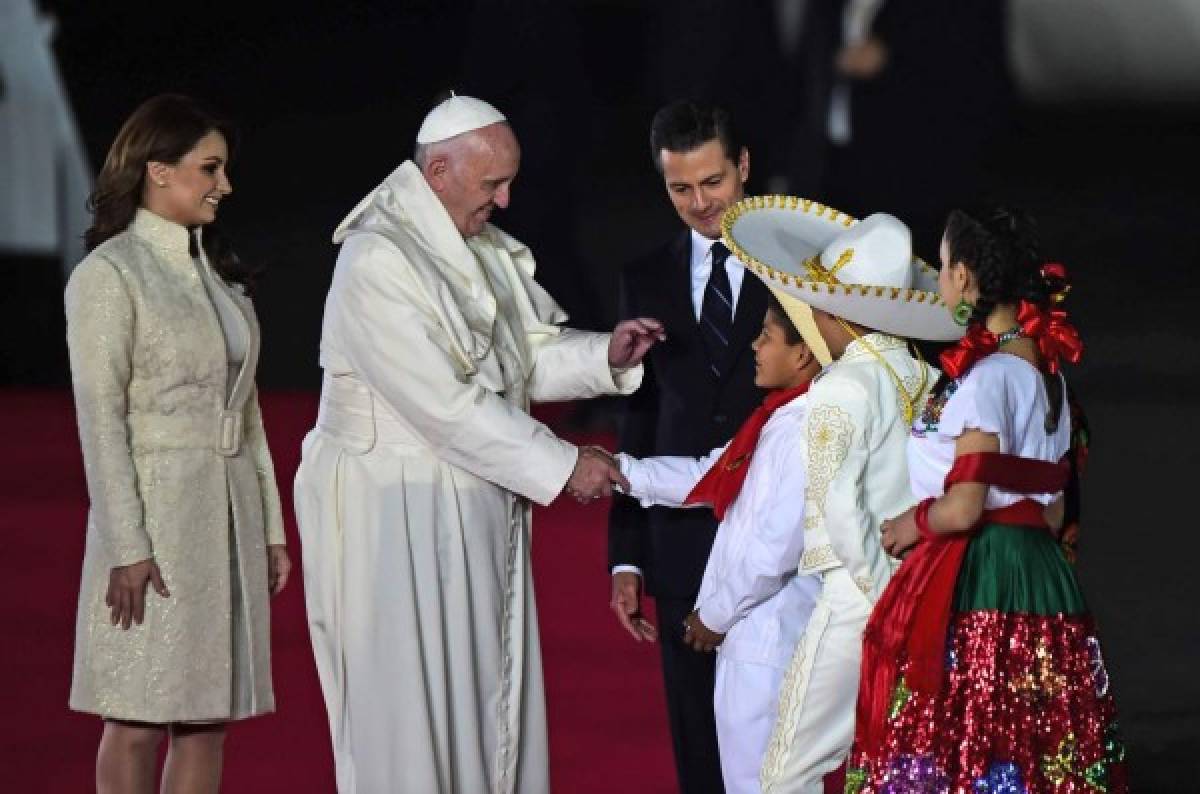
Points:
(175, 471)
(413, 497)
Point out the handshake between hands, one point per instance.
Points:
(596, 474)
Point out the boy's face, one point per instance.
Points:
(777, 364)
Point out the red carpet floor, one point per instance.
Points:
(608, 729)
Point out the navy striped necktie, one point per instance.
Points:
(716, 312)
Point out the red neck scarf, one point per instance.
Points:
(1050, 329)
(720, 486)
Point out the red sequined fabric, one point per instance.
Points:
(1025, 707)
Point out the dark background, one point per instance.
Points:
(328, 98)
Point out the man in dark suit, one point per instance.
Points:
(697, 390)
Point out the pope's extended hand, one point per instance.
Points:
(594, 476)
(631, 339)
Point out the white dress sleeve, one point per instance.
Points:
(667, 480)
(573, 365)
(401, 350)
(979, 403)
(773, 550)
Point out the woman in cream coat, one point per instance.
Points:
(164, 345)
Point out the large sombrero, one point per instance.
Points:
(862, 271)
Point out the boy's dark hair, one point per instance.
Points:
(687, 124)
(790, 333)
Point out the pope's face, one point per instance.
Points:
(703, 183)
(478, 177)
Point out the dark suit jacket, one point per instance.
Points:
(680, 409)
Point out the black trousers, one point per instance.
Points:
(689, 677)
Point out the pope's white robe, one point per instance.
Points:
(856, 439)
(413, 497)
(751, 591)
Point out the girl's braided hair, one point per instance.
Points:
(999, 246)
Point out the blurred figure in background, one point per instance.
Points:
(44, 182)
(918, 94)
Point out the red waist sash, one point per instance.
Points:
(912, 616)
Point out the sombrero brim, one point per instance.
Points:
(802, 317)
(774, 235)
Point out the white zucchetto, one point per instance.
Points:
(457, 115)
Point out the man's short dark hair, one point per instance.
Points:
(688, 124)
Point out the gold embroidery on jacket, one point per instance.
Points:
(829, 434)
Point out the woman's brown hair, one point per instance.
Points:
(162, 129)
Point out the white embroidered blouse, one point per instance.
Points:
(1002, 394)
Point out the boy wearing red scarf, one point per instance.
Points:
(753, 605)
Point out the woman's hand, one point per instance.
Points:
(900, 533)
(126, 596)
(279, 566)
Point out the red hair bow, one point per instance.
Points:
(1055, 275)
(975, 344)
(1056, 338)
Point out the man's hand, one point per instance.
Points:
(279, 565)
(594, 476)
(126, 596)
(900, 533)
(700, 637)
(631, 339)
(626, 603)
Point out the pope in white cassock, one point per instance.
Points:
(413, 497)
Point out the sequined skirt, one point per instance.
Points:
(1025, 703)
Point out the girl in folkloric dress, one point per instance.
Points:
(982, 670)
(185, 536)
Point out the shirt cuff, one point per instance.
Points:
(626, 381)
(616, 569)
(639, 484)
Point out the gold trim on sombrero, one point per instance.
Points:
(812, 265)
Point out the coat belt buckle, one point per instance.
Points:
(229, 433)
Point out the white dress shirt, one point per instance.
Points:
(750, 591)
(701, 269)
